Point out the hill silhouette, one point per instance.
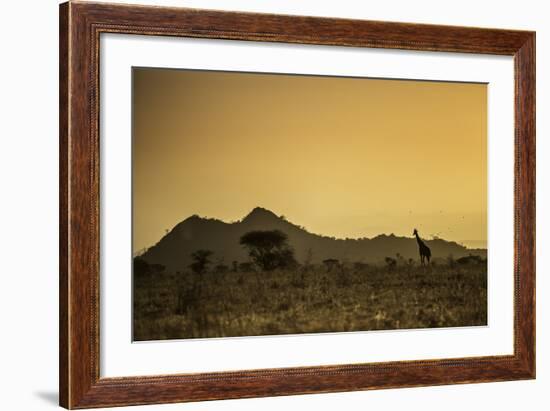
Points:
(194, 233)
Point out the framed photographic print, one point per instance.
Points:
(258, 205)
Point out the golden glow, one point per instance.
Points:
(342, 157)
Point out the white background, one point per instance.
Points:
(28, 218)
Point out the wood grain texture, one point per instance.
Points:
(80, 27)
(63, 205)
(525, 202)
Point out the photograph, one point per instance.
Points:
(281, 203)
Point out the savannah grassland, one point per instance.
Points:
(309, 299)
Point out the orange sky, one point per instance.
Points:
(342, 157)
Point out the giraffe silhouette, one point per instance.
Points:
(424, 250)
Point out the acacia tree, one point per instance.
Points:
(192, 296)
(269, 249)
(330, 263)
(189, 296)
(143, 269)
(201, 261)
(391, 263)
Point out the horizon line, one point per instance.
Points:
(283, 218)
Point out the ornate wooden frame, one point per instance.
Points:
(79, 379)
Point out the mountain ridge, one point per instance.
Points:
(173, 250)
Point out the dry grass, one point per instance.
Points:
(171, 306)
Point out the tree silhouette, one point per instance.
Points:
(269, 249)
(391, 263)
(246, 267)
(221, 268)
(330, 263)
(143, 269)
(470, 259)
(201, 261)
